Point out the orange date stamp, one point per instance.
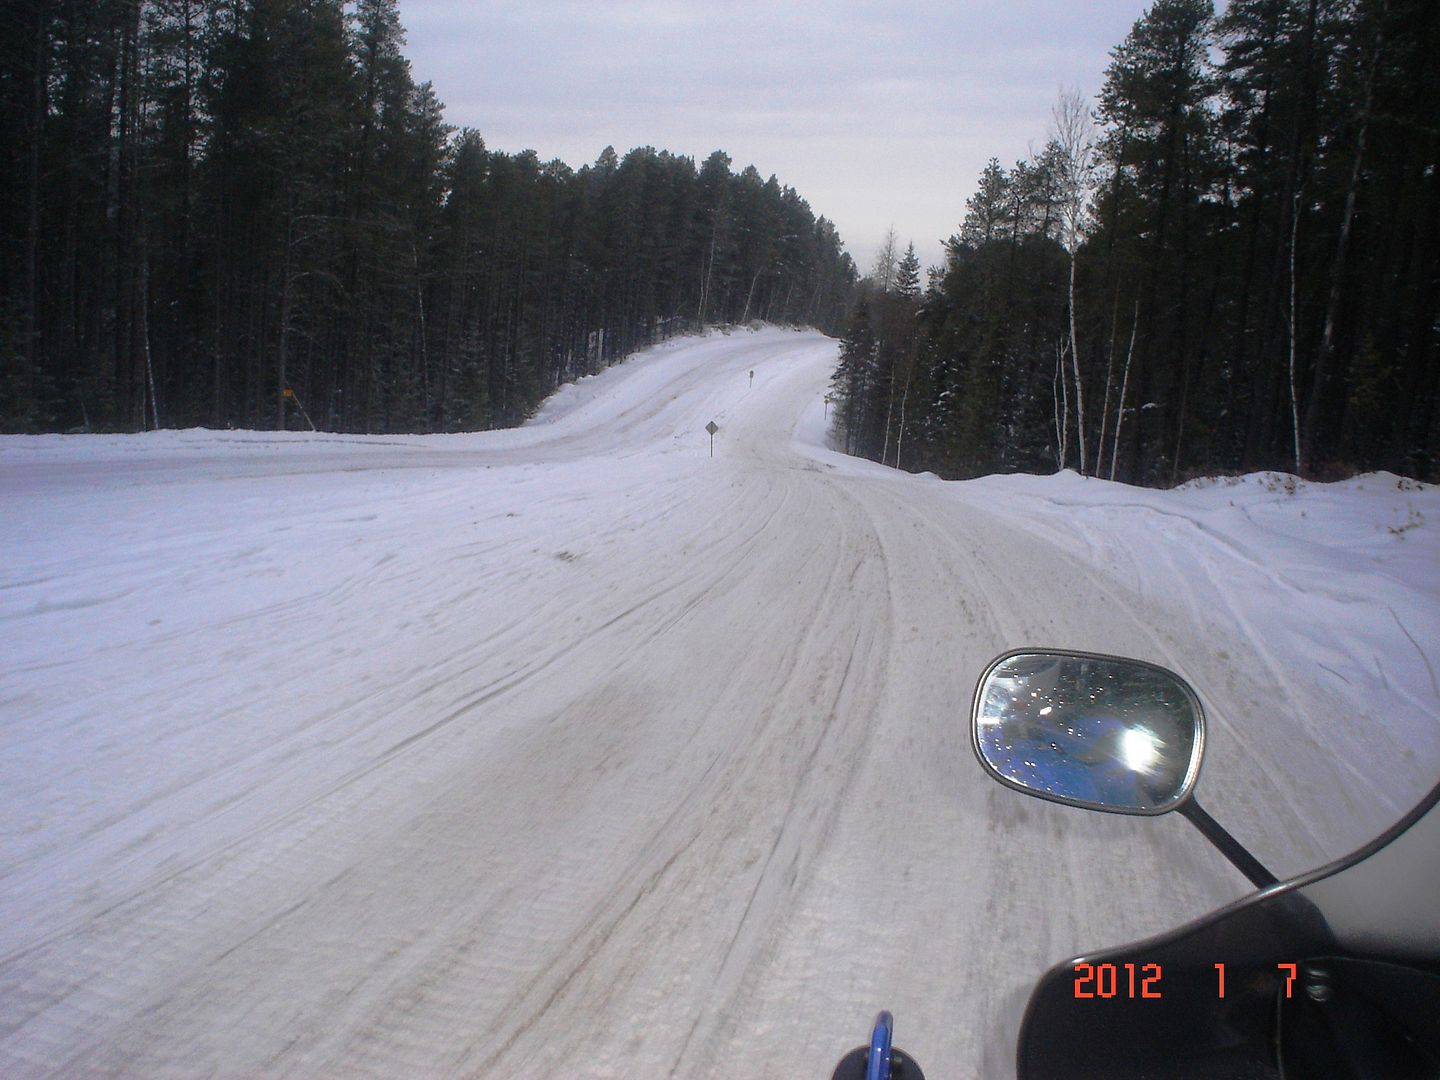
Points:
(1138, 982)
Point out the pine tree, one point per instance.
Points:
(907, 274)
(853, 380)
(204, 203)
(987, 211)
(1161, 144)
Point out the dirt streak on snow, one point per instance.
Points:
(571, 750)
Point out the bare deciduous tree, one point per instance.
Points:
(1072, 134)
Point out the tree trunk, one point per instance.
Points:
(1060, 388)
(1124, 385)
(145, 324)
(1075, 365)
(32, 192)
(1321, 371)
(286, 283)
(745, 318)
(1294, 399)
(1109, 376)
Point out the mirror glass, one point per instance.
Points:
(1095, 731)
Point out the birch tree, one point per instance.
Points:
(1072, 134)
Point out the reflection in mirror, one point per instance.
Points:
(1097, 731)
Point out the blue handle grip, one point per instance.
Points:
(877, 1065)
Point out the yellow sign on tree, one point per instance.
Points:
(288, 392)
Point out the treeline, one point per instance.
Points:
(1236, 267)
(206, 203)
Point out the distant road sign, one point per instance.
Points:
(711, 427)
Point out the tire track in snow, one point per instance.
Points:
(475, 699)
(838, 751)
(616, 814)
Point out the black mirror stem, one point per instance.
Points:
(1231, 848)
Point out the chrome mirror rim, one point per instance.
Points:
(1197, 755)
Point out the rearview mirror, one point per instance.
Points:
(1100, 732)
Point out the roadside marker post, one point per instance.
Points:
(289, 394)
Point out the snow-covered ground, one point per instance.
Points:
(573, 751)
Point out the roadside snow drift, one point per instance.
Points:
(574, 751)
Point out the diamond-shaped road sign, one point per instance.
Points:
(711, 427)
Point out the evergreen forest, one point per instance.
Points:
(248, 213)
(1230, 263)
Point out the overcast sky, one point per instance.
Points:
(876, 113)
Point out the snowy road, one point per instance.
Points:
(572, 751)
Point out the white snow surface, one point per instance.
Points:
(574, 751)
